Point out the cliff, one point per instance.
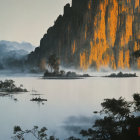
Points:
(93, 33)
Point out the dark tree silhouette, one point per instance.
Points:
(53, 63)
(136, 102)
(119, 121)
(118, 108)
(38, 134)
(9, 86)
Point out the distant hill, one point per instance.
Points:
(12, 54)
(17, 46)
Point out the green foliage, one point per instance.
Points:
(118, 123)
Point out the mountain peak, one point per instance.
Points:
(94, 34)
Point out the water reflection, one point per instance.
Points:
(10, 96)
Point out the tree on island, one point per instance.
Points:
(53, 63)
(9, 86)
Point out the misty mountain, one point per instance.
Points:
(13, 54)
(17, 46)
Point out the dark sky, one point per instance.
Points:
(28, 20)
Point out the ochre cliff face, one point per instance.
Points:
(94, 34)
(114, 38)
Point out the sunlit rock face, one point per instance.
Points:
(94, 34)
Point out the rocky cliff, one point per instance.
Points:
(93, 33)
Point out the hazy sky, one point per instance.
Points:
(28, 20)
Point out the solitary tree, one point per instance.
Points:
(53, 63)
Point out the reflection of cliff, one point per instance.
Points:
(94, 34)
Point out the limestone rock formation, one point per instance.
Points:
(93, 33)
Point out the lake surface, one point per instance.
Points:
(70, 103)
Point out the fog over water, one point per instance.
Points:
(70, 103)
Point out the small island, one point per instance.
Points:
(53, 71)
(38, 99)
(9, 86)
(64, 75)
(121, 75)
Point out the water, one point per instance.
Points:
(69, 107)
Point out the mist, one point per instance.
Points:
(13, 54)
